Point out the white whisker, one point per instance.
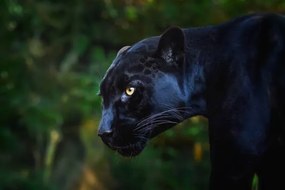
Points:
(169, 116)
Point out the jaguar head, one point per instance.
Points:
(143, 92)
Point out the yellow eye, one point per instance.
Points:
(130, 91)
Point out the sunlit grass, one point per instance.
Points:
(255, 182)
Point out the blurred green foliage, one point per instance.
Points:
(53, 55)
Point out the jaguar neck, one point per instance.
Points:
(199, 47)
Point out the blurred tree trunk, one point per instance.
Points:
(69, 158)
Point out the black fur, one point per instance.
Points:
(233, 73)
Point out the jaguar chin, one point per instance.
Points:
(131, 150)
(127, 148)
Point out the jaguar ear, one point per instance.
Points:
(171, 46)
(122, 50)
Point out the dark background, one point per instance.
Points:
(53, 55)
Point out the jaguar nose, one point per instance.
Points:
(105, 134)
(106, 137)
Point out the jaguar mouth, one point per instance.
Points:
(130, 150)
(127, 146)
